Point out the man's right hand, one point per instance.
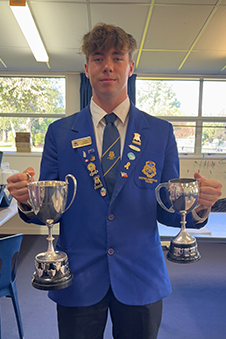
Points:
(17, 185)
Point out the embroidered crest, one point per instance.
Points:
(111, 155)
(150, 171)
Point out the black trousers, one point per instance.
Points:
(129, 322)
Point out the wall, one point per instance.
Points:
(211, 167)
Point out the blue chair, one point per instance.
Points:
(9, 255)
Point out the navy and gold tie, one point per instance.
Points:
(110, 152)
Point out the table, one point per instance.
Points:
(7, 213)
(214, 231)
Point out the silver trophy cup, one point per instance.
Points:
(48, 200)
(183, 195)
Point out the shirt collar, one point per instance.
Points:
(98, 113)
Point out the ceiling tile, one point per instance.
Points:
(130, 17)
(118, 1)
(61, 25)
(66, 60)
(62, 1)
(186, 2)
(157, 62)
(214, 36)
(25, 59)
(204, 63)
(175, 27)
(12, 35)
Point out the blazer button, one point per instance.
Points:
(111, 217)
(111, 251)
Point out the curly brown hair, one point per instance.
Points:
(103, 37)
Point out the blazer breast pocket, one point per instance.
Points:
(149, 170)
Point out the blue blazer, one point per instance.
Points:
(113, 242)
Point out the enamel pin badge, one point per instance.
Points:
(134, 148)
(81, 142)
(127, 165)
(136, 139)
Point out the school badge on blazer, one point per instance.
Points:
(150, 171)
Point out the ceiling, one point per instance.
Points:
(181, 37)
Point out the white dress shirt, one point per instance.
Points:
(121, 111)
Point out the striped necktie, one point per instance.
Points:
(110, 152)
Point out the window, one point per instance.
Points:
(29, 105)
(196, 108)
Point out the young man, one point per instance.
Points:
(111, 237)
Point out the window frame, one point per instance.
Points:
(35, 115)
(198, 120)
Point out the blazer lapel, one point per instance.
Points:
(134, 145)
(83, 128)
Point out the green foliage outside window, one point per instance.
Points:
(196, 108)
(26, 105)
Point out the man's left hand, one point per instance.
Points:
(209, 192)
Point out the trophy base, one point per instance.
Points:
(48, 285)
(52, 272)
(183, 253)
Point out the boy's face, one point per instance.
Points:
(108, 72)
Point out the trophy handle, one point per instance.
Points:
(157, 194)
(75, 188)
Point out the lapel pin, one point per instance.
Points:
(97, 182)
(135, 148)
(127, 165)
(103, 192)
(92, 168)
(131, 156)
(92, 158)
(124, 175)
(136, 139)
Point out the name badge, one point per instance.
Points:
(81, 142)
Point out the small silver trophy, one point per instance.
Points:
(48, 200)
(183, 195)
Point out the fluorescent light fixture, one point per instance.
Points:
(29, 29)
